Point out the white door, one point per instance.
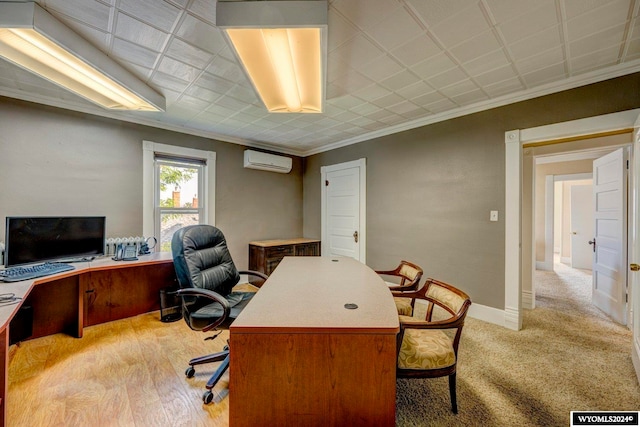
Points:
(581, 226)
(343, 207)
(610, 214)
(634, 294)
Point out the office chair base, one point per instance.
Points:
(207, 397)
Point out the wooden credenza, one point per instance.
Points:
(265, 255)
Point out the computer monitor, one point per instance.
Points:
(37, 239)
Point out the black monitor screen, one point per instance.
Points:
(38, 239)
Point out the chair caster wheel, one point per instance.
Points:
(207, 397)
(190, 372)
(225, 348)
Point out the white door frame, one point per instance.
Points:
(514, 140)
(362, 234)
(633, 307)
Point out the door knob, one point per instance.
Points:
(593, 242)
(634, 267)
(355, 236)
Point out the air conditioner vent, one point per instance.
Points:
(267, 162)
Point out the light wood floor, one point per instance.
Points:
(126, 373)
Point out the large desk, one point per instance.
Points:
(95, 292)
(299, 357)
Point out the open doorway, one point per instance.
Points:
(564, 226)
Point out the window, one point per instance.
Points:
(178, 190)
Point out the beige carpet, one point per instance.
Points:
(568, 356)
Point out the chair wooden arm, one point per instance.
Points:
(255, 273)
(214, 296)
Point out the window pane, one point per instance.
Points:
(170, 222)
(178, 185)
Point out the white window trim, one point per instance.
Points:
(148, 181)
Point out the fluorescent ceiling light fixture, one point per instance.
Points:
(34, 40)
(283, 47)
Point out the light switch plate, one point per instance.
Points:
(493, 216)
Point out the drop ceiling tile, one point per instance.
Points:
(226, 69)
(404, 28)
(505, 87)
(371, 92)
(441, 106)
(416, 114)
(401, 80)
(610, 38)
(434, 66)
(201, 34)
(485, 63)
(243, 94)
(507, 10)
(577, 7)
(475, 47)
(159, 14)
(596, 20)
(204, 9)
(214, 83)
(414, 90)
(178, 69)
(181, 3)
(462, 26)
(203, 93)
(94, 36)
(530, 24)
(434, 11)
(352, 81)
(403, 107)
(470, 97)
(503, 73)
(416, 50)
(142, 73)
(594, 60)
(188, 54)
(134, 53)
(536, 62)
(347, 116)
(89, 12)
(140, 33)
(366, 13)
(545, 75)
(193, 103)
(536, 44)
(167, 81)
(357, 51)
(380, 68)
(345, 102)
(364, 109)
(459, 88)
(428, 99)
(387, 100)
(340, 30)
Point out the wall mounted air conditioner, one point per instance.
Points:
(266, 162)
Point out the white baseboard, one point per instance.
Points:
(491, 315)
(543, 265)
(527, 300)
(635, 357)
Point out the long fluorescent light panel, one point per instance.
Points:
(34, 40)
(282, 46)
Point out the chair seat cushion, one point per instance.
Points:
(207, 314)
(403, 305)
(425, 349)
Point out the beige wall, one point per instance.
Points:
(57, 162)
(430, 189)
(542, 171)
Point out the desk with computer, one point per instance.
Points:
(88, 289)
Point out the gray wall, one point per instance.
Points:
(57, 162)
(430, 189)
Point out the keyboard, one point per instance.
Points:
(16, 274)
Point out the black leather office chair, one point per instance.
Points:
(206, 274)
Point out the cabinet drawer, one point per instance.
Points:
(308, 249)
(278, 252)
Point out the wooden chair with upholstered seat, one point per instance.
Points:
(428, 344)
(409, 275)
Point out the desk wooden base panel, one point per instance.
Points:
(321, 379)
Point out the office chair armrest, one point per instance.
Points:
(255, 273)
(215, 297)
